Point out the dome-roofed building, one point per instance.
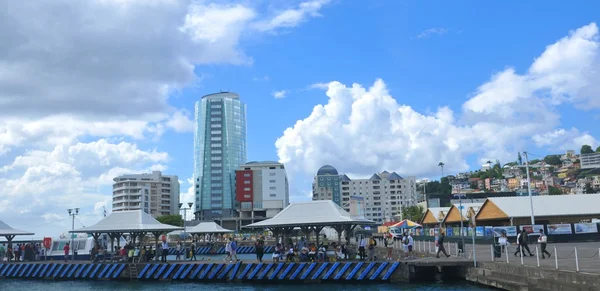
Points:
(326, 185)
(327, 170)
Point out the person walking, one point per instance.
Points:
(440, 245)
(228, 250)
(522, 243)
(543, 240)
(410, 243)
(259, 246)
(233, 252)
(193, 251)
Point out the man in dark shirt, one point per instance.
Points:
(440, 245)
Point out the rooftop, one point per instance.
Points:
(222, 94)
(312, 213)
(125, 222)
(327, 170)
(548, 205)
(9, 232)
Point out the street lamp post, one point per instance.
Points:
(73, 213)
(529, 188)
(185, 209)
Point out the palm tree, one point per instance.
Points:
(441, 165)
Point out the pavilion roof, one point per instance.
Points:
(312, 213)
(125, 222)
(7, 230)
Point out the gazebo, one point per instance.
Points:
(208, 228)
(9, 233)
(134, 222)
(311, 216)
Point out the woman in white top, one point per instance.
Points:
(228, 251)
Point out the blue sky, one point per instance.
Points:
(459, 82)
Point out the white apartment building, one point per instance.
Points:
(154, 193)
(385, 194)
(262, 190)
(590, 161)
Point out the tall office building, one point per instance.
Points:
(154, 193)
(219, 150)
(384, 194)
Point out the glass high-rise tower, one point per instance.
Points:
(219, 149)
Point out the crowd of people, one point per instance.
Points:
(22, 252)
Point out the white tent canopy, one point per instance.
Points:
(134, 221)
(208, 227)
(9, 232)
(313, 213)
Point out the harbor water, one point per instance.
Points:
(114, 286)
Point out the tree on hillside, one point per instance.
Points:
(414, 213)
(174, 220)
(554, 191)
(519, 159)
(553, 160)
(445, 187)
(586, 149)
(598, 149)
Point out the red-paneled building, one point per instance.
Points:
(243, 186)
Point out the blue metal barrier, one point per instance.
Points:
(226, 271)
(119, 271)
(93, 275)
(106, 268)
(253, 273)
(378, 271)
(276, 271)
(390, 271)
(81, 269)
(206, 270)
(245, 271)
(87, 271)
(319, 271)
(49, 273)
(144, 270)
(342, 271)
(215, 271)
(169, 271)
(193, 276)
(160, 270)
(55, 274)
(31, 270)
(24, 269)
(235, 270)
(297, 271)
(366, 271)
(330, 271)
(307, 272)
(151, 271)
(15, 271)
(186, 272)
(265, 271)
(66, 270)
(179, 271)
(286, 271)
(110, 271)
(354, 271)
(39, 270)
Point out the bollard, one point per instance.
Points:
(492, 251)
(555, 258)
(429, 244)
(599, 253)
(456, 248)
(506, 253)
(449, 248)
(521, 249)
(537, 256)
(576, 260)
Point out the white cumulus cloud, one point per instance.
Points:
(365, 130)
(280, 94)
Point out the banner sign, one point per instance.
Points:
(532, 229)
(555, 229)
(508, 230)
(480, 231)
(586, 228)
